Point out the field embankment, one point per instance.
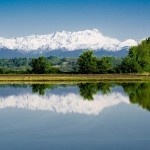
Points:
(73, 77)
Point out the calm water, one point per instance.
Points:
(75, 117)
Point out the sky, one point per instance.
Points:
(121, 19)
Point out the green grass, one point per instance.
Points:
(54, 78)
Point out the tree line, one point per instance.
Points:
(24, 65)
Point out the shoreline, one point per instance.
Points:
(74, 78)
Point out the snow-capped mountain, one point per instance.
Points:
(64, 42)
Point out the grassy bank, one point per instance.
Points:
(73, 77)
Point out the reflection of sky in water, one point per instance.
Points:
(8, 91)
(63, 100)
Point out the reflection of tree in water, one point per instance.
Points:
(105, 88)
(14, 85)
(41, 88)
(87, 90)
(139, 93)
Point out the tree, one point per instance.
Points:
(129, 65)
(104, 65)
(87, 62)
(1, 71)
(138, 58)
(40, 65)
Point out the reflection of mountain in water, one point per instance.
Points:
(69, 103)
(88, 98)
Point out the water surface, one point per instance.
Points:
(83, 116)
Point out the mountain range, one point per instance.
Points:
(64, 44)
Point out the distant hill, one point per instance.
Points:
(7, 53)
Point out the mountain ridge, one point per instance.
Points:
(64, 41)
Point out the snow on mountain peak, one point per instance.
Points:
(128, 43)
(69, 41)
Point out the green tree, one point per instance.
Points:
(138, 58)
(87, 62)
(1, 71)
(104, 65)
(40, 65)
(129, 65)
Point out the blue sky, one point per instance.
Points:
(115, 18)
